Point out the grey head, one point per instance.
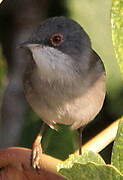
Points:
(62, 33)
(61, 49)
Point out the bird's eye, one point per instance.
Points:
(56, 39)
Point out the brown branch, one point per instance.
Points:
(15, 163)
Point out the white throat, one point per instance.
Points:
(52, 64)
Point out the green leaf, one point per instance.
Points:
(87, 156)
(117, 154)
(91, 171)
(88, 166)
(117, 30)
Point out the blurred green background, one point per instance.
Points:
(95, 18)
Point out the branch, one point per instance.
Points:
(101, 140)
(17, 161)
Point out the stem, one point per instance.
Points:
(101, 140)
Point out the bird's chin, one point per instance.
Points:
(51, 63)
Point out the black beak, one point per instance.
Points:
(23, 45)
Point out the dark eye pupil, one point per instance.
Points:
(56, 39)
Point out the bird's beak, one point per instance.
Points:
(23, 45)
(28, 45)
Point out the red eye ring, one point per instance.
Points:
(56, 39)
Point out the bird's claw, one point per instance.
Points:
(36, 152)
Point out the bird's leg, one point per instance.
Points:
(80, 130)
(36, 148)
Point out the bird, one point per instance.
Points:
(65, 79)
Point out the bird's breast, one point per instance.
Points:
(73, 104)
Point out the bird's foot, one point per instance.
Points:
(36, 152)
